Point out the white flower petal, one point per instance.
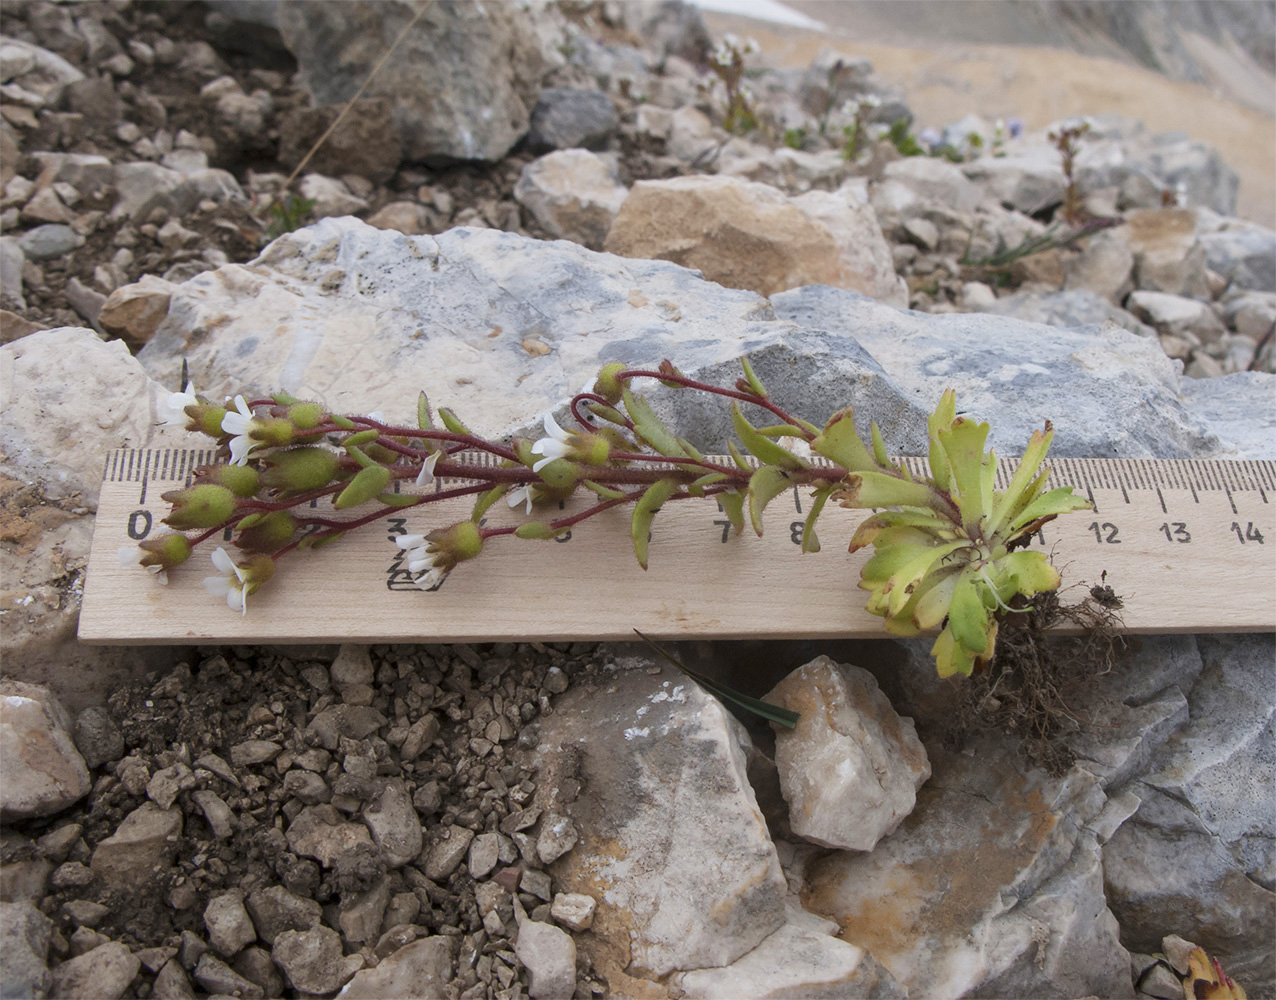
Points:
(222, 560)
(427, 468)
(129, 555)
(216, 585)
(161, 575)
(235, 600)
(432, 579)
(522, 494)
(239, 420)
(409, 541)
(553, 430)
(173, 409)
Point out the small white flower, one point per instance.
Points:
(131, 555)
(523, 494)
(173, 409)
(432, 579)
(230, 584)
(751, 46)
(240, 424)
(557, 445)
(427, 468)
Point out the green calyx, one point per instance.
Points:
(268, 532)
(945, 548)
(241, 480)
(607, 385)
(306, 416)
(165, 551)
(298, 470)
(363, 487)
(201, 506)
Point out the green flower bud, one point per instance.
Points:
(257, 571)
(268, 533)
(206, 418)
(559, 474)
(534, 529)
(239, 479)
(363, 487)
(201, 506)
(305, 416)
(454, 544)
(273, 432)
(591, 449)
(299, 470)
(165, 551)
(607, 385)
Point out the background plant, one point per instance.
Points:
(948, 548)
(727, 63)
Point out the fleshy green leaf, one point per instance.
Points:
(879, 446)
(363, 487)
(762, 448)
(397, 499)
(967, 616)
(360, 439)
(651, 428)
(423, 419)
(606, 492)
(485, 500)
(644, 511)
(1025, 472)
(733, 507)
(345, 423)
(963, 443)
(810, 543)
(943, 417)
(755, 383)
(1058, 501)
(839, 443)
(765, 485)
(737, 456)
(451, 422)
(535, 530)
(878, 489)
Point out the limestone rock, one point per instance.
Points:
(405, 217)
(313, 290)
(275, 910)
(41, 771)
(681, 754)
(851, 769)
(220, 979)
(1243, 254)
(394, 824)
(136, 310)
(573, 194)
(549, 955)
(323, 833)
(573, 910)
(1176, 315)
(104, 972)
(146, 840)
(24, 940)
(458, 85)
(571, 118)
(422, 968)
(331, 197)
(1028, 178)
(447, 848)
(229, 926)
(1108, 392)
(1105, 266)
(748, 235)
(935, 180)
(1196, 834)
(1070, 309)
(1167, 254)
(312, 959)
(366, 143)
(801, 959)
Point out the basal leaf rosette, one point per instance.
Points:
(949, 551)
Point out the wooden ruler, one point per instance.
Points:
(1190, 546)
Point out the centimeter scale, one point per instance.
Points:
(1188, 545)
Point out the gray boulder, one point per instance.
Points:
(462, 81)
(568, 118)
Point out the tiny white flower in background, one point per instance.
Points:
(239, 422)
(751, 45)
(131, 555)
(427, 468)
(230, 584)
(522, 494)
(870, 101)
(173, 409)
(557, 445)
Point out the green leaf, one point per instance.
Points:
(709, 478)
(772, 713)
(538, 530)
(360, 456)
(839, 443)
(651, 428)
(943, 417)
(451, 422)
(644, 511)
(1058, 501)
(1025, 472)
(763, 449)
(810, 543)
(423, 419)
(905, 580)
(370, 481)
(764, 486)
(397, 499)
(879, 489)
(360, 439)
(879, 447)
(249, 521)
(737, 456)
(691, 449)
(755, 383)
(967, 616)
(733, 507)
(608, 413)
(606, 492)
(485, 500)
(963, 443)
(345, 423)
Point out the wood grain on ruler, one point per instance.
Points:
(1189, 545)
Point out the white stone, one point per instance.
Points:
(1176, 315)
(229, 926)
(851, 769)
(573, 194)
(41, 772)
(549, 955)
(331, 197)
(422, 968)
(573, 910)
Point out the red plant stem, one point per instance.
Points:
(745, 397)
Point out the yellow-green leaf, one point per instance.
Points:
(651, 428)
(765, 485)
(839, 443)
(644, 511)
(763, 448)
